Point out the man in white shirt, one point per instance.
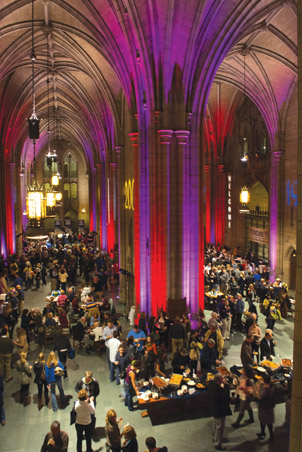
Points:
(108, 334)
(113, 345)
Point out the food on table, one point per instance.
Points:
(176, 379)
(286, 362)
(269, 364)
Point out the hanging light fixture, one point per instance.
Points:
(52, 195)
(35, 204)
(244, 145)
(244, 200)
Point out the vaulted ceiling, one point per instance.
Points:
(103, 54)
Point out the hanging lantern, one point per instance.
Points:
(244, 200)
(35, 205)
(50, 199)
(58, 196)
(55, 180)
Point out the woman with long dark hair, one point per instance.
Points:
(40, 379)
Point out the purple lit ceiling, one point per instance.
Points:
(101, 50)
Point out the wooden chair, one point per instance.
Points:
(49, 335)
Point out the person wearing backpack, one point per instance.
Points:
(40, 379)
(266, 407)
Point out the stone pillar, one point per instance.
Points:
(207, 203)
(296, 412)
(99, 203)
(134, 139)
(118, 197)
(220, 205)
(111, 228)
(162, 223)
(276, 156)
(176, 215)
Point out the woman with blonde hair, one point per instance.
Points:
(40, 379)
(112, 430)
(21, 341)
(54, 370)
(24, 377)
(84, 408)
(130, 443)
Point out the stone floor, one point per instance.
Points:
(26, 426)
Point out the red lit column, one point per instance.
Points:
(9, 204)
(118, 179)
(207, 203)
(162, 220)
(99, 201)
(220, 205)
(134, 138)
(111, 208)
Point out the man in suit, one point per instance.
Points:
(267, 345)
(219, 397)
(246, 355)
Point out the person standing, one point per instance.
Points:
(266, 407)
(177, 335)
(267, 346)
(130, 441)
(122, 361)
(246, 391)
(90, 385)
(40, 379)
(113, 345)
(2, 412)
(246, 355)
(24, 378)
(84, 408)
(151, 444)
(54, 378)
(108, 334)
(139, 339)
(112, 431)
(6, 353)
(219, 397)
(56, 440)
(130, 384)
(62, 346)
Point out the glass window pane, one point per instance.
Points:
(74, 190)
(67, 190)
(73, 169)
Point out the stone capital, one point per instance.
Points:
(134, 136)
(165, 136)
(277, 155)
(182, 136)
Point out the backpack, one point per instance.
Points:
(43, 375)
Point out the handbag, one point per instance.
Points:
(71, 353)
(73, 416)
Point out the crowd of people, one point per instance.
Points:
(80, 310)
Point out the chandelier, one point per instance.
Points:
(35, 203)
